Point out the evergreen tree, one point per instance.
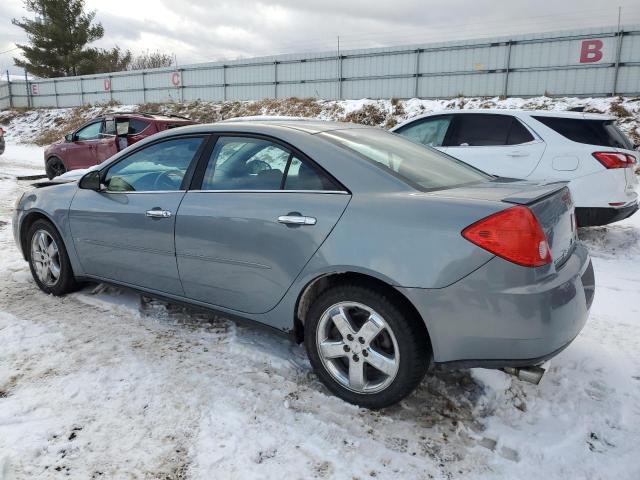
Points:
(58, 38)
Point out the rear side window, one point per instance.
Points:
(475, 130)
(482, 130)
(245, 163)
(430, 131)
(137, 126)
(591, 132)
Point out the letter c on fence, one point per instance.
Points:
(175, 79)
(34, 89)
(107, 84)
(591, 51)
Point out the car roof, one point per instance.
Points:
(512, 112)
(308, 125)
(162, 117)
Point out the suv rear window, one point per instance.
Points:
(421, 167)
(592, 132)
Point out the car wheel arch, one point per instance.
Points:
(25, 225)
(320, 283)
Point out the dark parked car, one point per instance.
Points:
(1, 140)
(382, 255)
(103, 137)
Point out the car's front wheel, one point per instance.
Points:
(54, 167)
(48, 259)
(364, 346)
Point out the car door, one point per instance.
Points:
(125, 232)
(259, 213)
(107, 145)
(497, 144)
(81, 152)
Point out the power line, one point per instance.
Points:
(10, 50)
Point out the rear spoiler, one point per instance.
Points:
(531, 195)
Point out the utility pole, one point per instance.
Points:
(618, 52)
(339, 71)
(9, 87)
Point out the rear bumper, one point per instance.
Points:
(593, 217)
(504, 315)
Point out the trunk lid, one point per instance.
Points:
(551, 203)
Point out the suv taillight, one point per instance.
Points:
(513, 234)
(614, 159)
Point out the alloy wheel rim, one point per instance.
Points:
(357, 347)
(45, 257)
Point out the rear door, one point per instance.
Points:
(126, 232)
(259, 212)
(497, 144)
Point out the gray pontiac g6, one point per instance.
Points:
(381, 255)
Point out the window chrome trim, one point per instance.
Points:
(111, 192)
(339, 192)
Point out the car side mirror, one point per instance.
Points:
(91, 181)
(68, 137)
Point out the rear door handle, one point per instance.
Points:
(158, 213)
(296, 220)
(518, 153)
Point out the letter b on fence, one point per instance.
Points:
(591, 51)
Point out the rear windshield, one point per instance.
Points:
(592, 132)
(421, 167)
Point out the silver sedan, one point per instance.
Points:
(381, 255)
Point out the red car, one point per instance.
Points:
(102, 137)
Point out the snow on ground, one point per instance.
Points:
(20, 159)
(106, 384)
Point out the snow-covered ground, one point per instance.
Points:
(106, 384)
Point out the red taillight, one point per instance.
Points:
(513, 234)
(614, 159)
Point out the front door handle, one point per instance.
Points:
(158, 213)
(296, 220)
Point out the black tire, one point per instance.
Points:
(66, 281)
(54, 167)
(409, 332)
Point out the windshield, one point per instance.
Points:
(421, 167)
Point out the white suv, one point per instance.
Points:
(587, 150)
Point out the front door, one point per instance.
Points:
(82, 152)
(126, 232)
(260, 215)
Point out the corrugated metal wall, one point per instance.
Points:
(597, 61)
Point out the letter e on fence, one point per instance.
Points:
(107, 84)
(34, 89)
(591, 51)
(175, 79)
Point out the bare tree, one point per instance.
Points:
(150, 60)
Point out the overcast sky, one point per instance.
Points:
(208, 30)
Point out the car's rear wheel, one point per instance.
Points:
(48, 259)
(364, 346)
(54, 167)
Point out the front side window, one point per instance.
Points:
(245, 163)
(421, 167)
(430, 131)
(90, 132)
(158, 167)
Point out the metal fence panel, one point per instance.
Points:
(578, 62)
